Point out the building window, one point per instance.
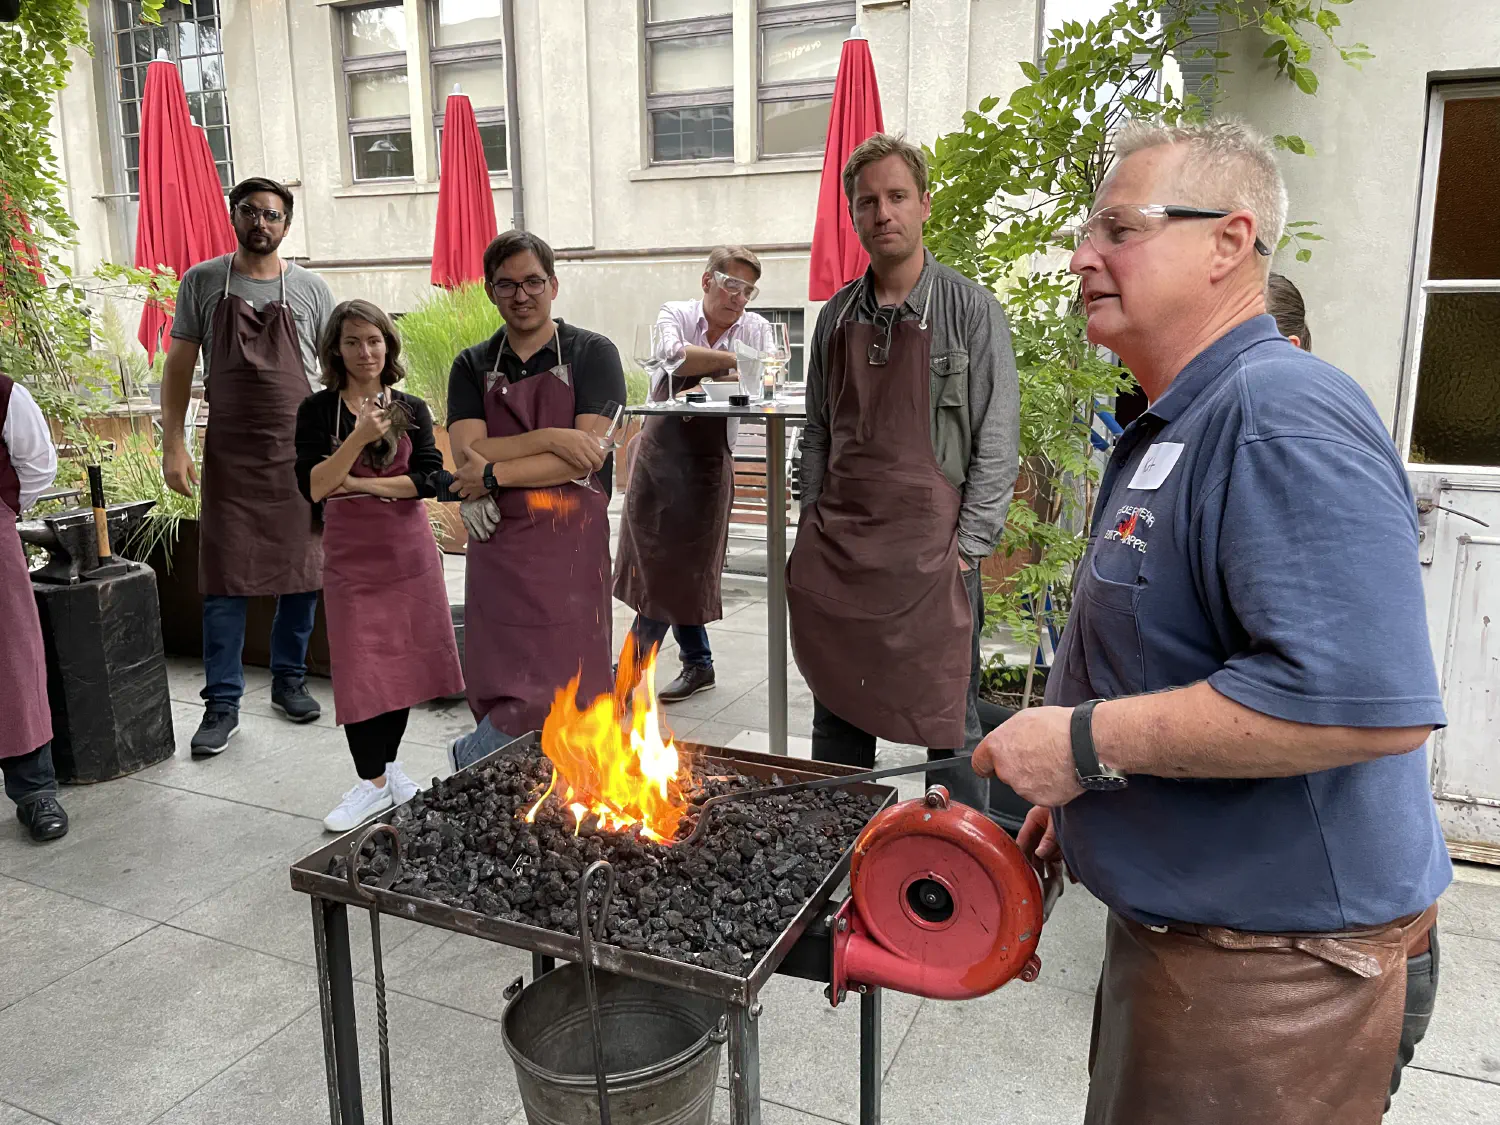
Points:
(793, 319)
(189, 34)
(375, 89)
(468, 57)
(690, 80)
(800, 44)
(1453, 394)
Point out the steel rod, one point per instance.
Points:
(776, 514)
(744, 1067)
(325, 1008)
(341, 999)
(871, 1061)
(586, 936)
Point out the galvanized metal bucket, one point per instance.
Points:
(661, 1050)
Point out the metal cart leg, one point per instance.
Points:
(776, 577)
(744, 1067)
(871, 1062)
(541, 965)
(336, 1000)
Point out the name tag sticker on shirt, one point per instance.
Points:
(1157, 465)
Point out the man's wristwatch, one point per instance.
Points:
(489, 478)
(1092, 774)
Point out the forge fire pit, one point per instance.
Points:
(719, 925)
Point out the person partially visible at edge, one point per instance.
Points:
(908, 462)
(1231, 752)
(676, 526)
(366, 455)
(1284, 302)
(28, 463)
(525, 411)
(254, 318)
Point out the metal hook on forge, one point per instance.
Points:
(384, 883)
(586, 941)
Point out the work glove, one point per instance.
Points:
(481, 518)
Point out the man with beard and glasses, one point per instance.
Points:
(255, 318)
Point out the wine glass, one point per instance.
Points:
(609, 439)
(778, 359)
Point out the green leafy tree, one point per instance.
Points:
(1008, 184)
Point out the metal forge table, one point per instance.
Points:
(803, 949)
(775, 415)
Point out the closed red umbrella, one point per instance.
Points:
(837, 256)
(183, 219)
(466, 209)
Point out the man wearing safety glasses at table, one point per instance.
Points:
(526, 414)
(676, 525)
(908, 462)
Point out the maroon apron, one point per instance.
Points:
(390, 630)
(537, 609)
(256, 533)
(676, 527)
(23, 659)
(881, 623)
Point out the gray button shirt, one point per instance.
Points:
(972, 365)
(202, 289)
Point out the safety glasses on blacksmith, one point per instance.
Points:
(1111, 228)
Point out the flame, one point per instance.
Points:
(612, 759)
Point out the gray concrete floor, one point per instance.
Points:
(155, 966)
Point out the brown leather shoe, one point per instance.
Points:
(693, 679)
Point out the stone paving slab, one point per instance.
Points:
(1426, 1098)
(125, 1038)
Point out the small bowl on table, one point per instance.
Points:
(720, 392)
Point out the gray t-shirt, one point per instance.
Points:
(202, 288)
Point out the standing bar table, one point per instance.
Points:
(775, 415)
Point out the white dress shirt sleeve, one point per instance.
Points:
(29, 443)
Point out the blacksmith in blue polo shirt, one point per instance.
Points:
(1231, 757)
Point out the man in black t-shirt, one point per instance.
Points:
(524, 409)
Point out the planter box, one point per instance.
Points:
(182, 609)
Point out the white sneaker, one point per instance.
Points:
(400, 787)
(358, 805)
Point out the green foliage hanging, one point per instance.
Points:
(1007, 184)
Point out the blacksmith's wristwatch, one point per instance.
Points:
(1092, 774)
(489, 478)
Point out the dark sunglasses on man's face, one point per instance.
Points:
(506, 289)
(250, 213)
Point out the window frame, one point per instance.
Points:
(371, 64)
(708, 98)
(116, 63)
(815, 11)
(485, 50)
(1421, 286)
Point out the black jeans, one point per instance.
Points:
(373, 743)
(1421, 996)
(30, 776)
(837, 740)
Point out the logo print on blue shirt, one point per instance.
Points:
(1128, 520)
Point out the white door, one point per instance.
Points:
(1449, 430)
(1461, 580)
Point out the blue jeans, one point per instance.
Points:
(224, 643)
(483, 739)
(692, 640)
(29, 777)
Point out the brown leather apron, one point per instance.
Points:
(23, 658)
(1199, 1025)
(881, 623)
(390, 631)
(537, 593)
(256, 533)
(671, 554)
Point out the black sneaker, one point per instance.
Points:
(214, 732)
(293, 700)
(694, 678)
(44, 819)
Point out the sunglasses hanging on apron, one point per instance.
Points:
(537, 608)
(256, 532)
(390, 630)
(881, 624)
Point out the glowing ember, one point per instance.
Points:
(615, 766)
(553, 500)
